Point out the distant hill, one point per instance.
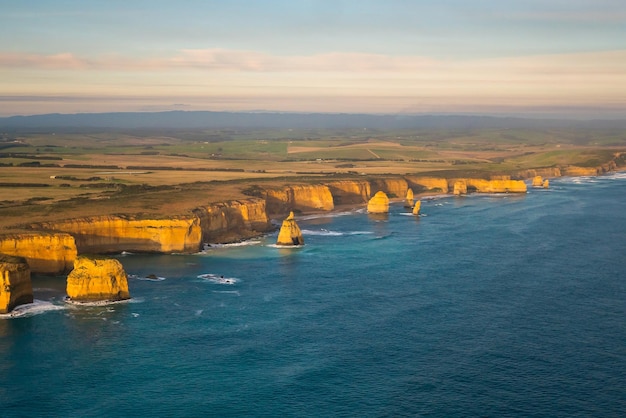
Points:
(192, 120)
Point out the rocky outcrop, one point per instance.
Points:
(301, 197)
(46, 253)
(543, 172)
(15, 285)
(460, 187)
(114, 234)
(546, 184)
(575, 171)
(379, 203)
(495, 186)
(428, 184)
(290, 233)
(408, 203)
(417, 207)
(393, 187)
(537, 181)
(97, 279)
(233, 221)
(349, 192)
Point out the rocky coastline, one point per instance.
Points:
(54, 247)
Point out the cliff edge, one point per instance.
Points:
(15, 285)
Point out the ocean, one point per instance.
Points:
(485, 305)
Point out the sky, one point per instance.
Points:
(539, 58)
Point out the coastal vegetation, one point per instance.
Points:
(59, 175)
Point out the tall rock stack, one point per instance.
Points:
(416, 208)
(409, 198)
(379, 203)
(97, 279)
(290, 233)
(15, 285)
(537, 181)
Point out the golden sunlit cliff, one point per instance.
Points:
(15, 285)
(48, 253)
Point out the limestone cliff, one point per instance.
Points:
(46, 253)
(543, 172)
(233, 221)
(496, 186)
(460, 187)
(97, 279)
(15, 285)
(114, 234)
(428, 184)
(394, 187)
(575, 171)
(290, 233)
(300, 197)
(379, 203)
(408, 203)
(350, 191)
(546, 184)
(537, 181)
(417, 207)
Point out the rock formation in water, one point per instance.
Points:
(537, 181)
(460, 187)
(409, 198)
(46, 253)
(416, 208)
(300, 197)
(15, 285)
(97, 279)
(546, 184)
(379, 203)
(233, 220)
(114, 234)
(290, 233)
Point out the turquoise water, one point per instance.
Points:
(486, 305)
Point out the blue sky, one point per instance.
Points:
(551, 57)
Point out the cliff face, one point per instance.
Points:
(394, 187)
(114, 234)
(575, 171)
(543, 172)
(379, 203)
(95, 279)
(460, 187)
(491, 186)
(290, 233)
(301, 197)
(15, 285)
(426, 184)
(349, 191)
(46, 253)
(234, 220)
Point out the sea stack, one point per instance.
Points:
(409, 199)
(416, 208)
(15, 285)
(546, 184)
(460, 187)
(97, 279)
(290, 233)
(379, 203)
(537, 181)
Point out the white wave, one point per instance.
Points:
(126, 253)
(217, 279)
(36, 308)
(285, 246)
(208, 246)
(326, 215)
(96, 302)
(149, 278)
(323, 232)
